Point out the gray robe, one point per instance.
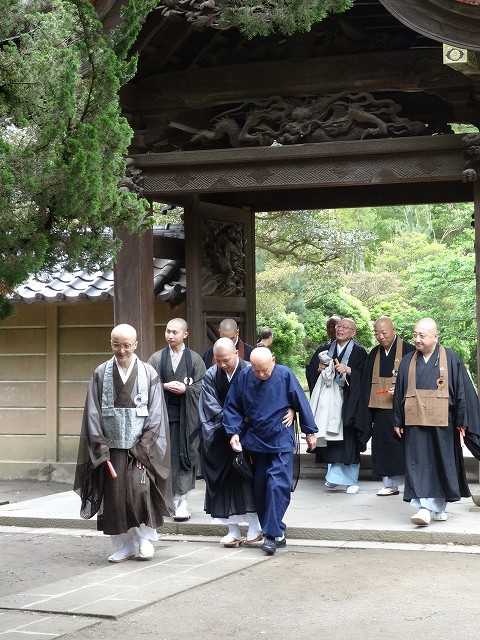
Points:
(133, 497)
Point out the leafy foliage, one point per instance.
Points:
(340, 303)
(288, 337)
(63, 141)
(307, 237)
(259, 18)
(415, 262)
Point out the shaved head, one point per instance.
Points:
(124, 333)
(345, 330)
(180, 323)
(176, 333)
(425, 336)
(426, 324)
(384, 320)
(263, 362)
(124, 342)
(225, 354)
(384, 331)
(223, 345)
(331, 324)
(228, 328)
(228, 324)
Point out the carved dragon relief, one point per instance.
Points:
(223, 272)
(285, 121)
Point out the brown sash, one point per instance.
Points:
(384, 400)
(427, 407)
(124, 390)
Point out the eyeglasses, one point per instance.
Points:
(344, 326)
(123, 345)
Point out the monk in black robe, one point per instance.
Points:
(228, 328)
(181, 371)
(435, 405)
(311, 370)
(376, 413)
(343, 455)
(228, 496)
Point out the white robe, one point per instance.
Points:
(326, 403)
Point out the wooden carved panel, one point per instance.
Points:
(223, 258)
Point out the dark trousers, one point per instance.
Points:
(272, 486)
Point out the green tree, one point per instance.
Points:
(313, 238)
(340, 303)
(445, 291)
(288, 337)
(396, 256)
(257, 17)
(63, 142)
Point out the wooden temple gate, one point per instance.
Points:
(357, 112)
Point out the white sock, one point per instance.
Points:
(234, 530)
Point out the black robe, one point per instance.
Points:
(182, 416)
(311, 370)
(387, 448)
(227, 493)
(434, 465)
(347, 451)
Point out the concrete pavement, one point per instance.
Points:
(188, 554)
(315, 513)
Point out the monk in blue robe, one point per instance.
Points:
(253, 416)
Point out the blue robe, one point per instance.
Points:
(264, 404)
(254, 409)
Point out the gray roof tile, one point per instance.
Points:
(169, 281)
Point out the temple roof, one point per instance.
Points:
(169, 281)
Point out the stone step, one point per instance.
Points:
(310, 469)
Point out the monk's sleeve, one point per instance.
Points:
(153, 447)
(192, 391)
(399, 394)
(233, 410)
(92, 428)
(298, 400)
(311, 371)
(209, 408)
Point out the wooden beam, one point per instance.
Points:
(223, 306)
(169, 248)
(476, 218)
(133, 289)
(378, 71)
(193, 263)
(250, 330)
(426, 159)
